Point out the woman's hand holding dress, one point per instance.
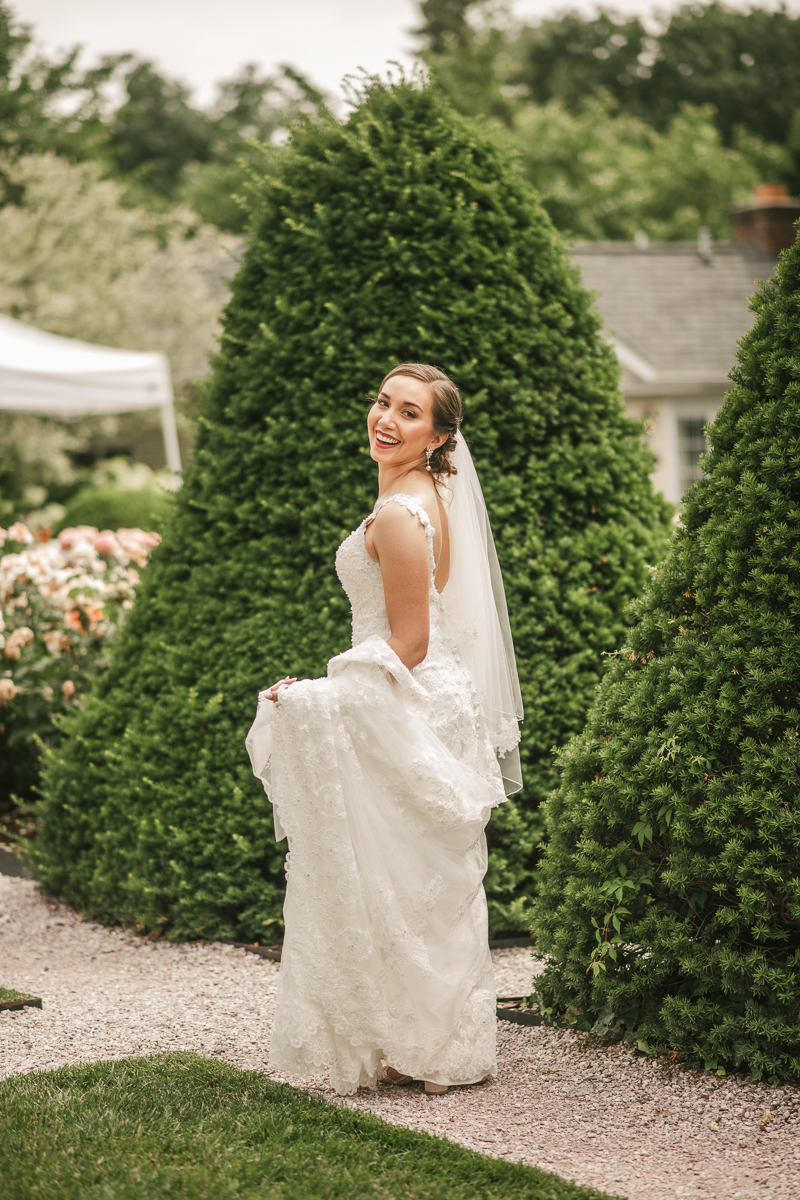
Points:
(271, 693)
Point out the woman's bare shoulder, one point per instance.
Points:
(410, 508)
(399, 510)
(420, 490)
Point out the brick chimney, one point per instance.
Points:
(766, 224)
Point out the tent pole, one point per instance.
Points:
(171, 446)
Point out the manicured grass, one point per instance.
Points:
(10, 996)
(177, 1125)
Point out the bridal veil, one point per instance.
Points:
(475, 602)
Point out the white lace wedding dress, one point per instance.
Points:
(383, 780)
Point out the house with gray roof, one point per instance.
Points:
(674, 312)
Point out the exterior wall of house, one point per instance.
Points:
(673, 428)
(674, 313)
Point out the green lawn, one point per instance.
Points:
(177, 1125)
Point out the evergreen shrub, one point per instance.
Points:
(670, 901)
(401, 234)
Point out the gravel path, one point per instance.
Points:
(597, 1115)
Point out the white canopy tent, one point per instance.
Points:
(54, 376)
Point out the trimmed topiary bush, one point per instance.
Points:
(670, 897)
(401, 234)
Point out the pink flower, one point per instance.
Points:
(69, 538)
(8, 690)
(107, 544)
(52, 640)
(95, 614)
(16, 641)
(68, 688)
(20, 533)
(137, 544)
(69, 588)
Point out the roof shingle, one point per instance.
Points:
(681, 313)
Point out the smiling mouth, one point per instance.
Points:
(383, 440)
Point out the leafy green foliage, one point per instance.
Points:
(401, 235)
(445, 22)
(572, 56)
(743, 61)
(155, 139)
(118, 508)
(468, 56)
(49, 105)
(738, 67)
(671, 882)
(155, 132)
(179, 1125)
(167, 149)
(250, 111)
(605, 175)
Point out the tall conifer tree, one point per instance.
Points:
(671, 883)
(402, 234)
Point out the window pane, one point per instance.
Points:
(691, 444)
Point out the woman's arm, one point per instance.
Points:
(399, 544)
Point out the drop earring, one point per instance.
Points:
(428, 456)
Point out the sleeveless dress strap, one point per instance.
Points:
(412, 504)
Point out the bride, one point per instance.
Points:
(383, 775)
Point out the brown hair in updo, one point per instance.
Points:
(447, 410)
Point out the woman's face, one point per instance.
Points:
(400, 423)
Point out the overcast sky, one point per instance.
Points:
(201, 41)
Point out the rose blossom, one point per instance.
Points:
(72, 591)
(16, 641)
(52, 640)
(20, 533)
(106, 544)
(72, 620)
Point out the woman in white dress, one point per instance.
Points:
(383, 775)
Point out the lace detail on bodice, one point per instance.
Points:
(361, 578)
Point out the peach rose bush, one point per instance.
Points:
(61, 601)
